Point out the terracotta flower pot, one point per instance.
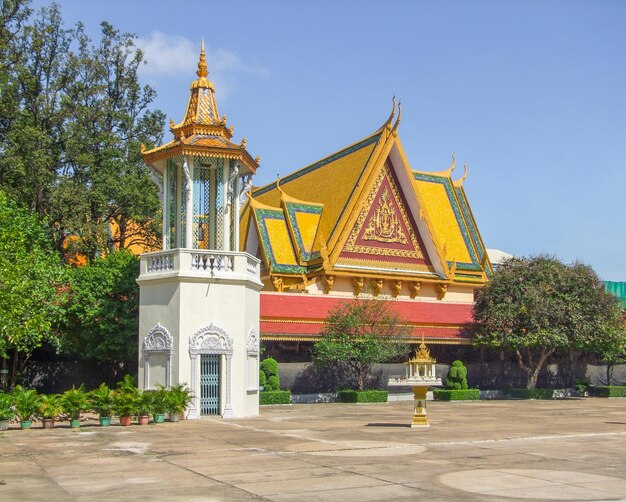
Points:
(143, 419)
(126, 420)
(48, 423)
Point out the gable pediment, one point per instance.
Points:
(385, 234)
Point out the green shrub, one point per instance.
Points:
(608, 391)
(273, 383)
(532, 393)
(362, 396)
(269, 368)
(582, 385)
(275, 397)
(262, 379)
(456, 395)
(457, 377)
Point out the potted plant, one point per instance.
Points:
(49, 409)
(73, 402)
(26, 404)
(145, 407)
(178, 399)
(159, 404)
(125, 405)
(101, 402)
(6, 410)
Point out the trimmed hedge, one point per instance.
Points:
(362, 396)
(456, 394)
(275, 397)
(532, 393)
(608, 391)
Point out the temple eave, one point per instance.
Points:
(178, 148)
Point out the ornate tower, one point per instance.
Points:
(199, 307)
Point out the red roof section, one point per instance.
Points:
(291, 314)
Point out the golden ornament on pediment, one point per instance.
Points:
(384, 225)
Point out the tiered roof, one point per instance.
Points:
(202, 132)
(363, 211)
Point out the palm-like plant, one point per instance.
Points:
(49, 406)
(74, 401)
(25, 403)
(101, 400)
(6, 407)
(179, 398)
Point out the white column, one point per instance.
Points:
(228, 407)
(225, 206)
(194, 409)
(236, 210)
(189, 195)
(146, 369)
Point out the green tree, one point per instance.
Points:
(358, 334)
(75, 116)
(103, 310)
(32, 289)
(534, 306)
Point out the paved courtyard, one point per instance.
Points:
(489, 450)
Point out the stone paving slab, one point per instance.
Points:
(495, 450)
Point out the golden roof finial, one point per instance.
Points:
(423, 352)
(394, 131)
(459, 183)
(202, 66)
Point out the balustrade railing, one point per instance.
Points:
(199, 261)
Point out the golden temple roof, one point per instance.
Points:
(364, 210)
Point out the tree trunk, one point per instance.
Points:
(531, 368)
(609, 373)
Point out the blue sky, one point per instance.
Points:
(532, 94)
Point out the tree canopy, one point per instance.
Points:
(534, 306)
(33, 288)
(74, 117)
(103, 310)
(358, 334)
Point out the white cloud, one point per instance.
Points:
(177, 56)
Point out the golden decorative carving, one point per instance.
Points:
(377, 286)
(257, 159)
(243, 143)
(414, 288)
(142, 148)
(223, 122)
(351, 245)
(231, 130)
(278, 284)
(172, 124)
(358, 283)
(329, 282)
(396, 287)
(384, 225)
(442, 289)
(423, 353)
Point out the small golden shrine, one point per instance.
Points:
(419, 374)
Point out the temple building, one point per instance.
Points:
(240, 265)
(361, 223)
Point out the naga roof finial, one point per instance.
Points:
(459, 183)
(202, 66)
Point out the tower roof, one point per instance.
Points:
(202, 132)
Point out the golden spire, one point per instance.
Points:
(202, 66)
(423, 352)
